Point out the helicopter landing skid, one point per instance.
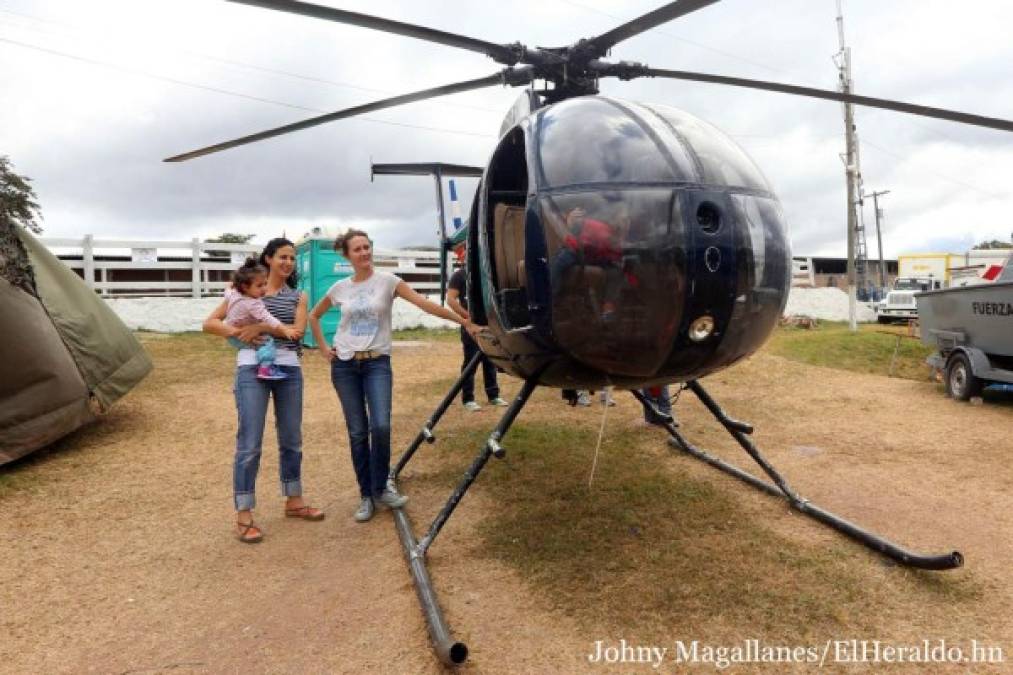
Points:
(780, 488)
(451, 652)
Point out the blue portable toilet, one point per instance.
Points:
(319, 267)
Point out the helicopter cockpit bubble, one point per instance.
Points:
(641, 222)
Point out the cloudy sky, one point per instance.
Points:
(96, 94)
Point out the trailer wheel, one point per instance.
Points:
(961, 384)
(883, 319)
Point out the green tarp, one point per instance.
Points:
(65, 355)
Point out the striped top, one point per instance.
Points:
(282, 306)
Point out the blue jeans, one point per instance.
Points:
(252, 395)
(662, 402)
(364, 388)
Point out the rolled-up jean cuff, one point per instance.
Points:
(245, 501)
(291, 488)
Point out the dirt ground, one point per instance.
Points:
(117, 555)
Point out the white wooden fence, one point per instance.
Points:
(100, 261)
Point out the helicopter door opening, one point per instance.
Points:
(508, 189)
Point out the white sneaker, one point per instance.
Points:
(498, 402)
(472, 406)
(365, 511)
(583, 399)
(391, 499)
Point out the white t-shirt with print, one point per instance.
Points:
(365, 313)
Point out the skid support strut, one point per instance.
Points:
(426, 433)
(450, 651)
(780, 488)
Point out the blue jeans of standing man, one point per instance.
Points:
(364, 388)
(662, 402)
(252, 395)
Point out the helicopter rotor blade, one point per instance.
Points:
(509, 76)
(501, 53)
(624, 71)
(672, 10)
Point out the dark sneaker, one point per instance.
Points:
(365, 511)
(391, 499)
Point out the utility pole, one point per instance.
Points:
(852, 172)
(879, 235)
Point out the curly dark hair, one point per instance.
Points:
(247, 274)
(269, 251)
(341, 243)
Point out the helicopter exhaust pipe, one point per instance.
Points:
(450, 651)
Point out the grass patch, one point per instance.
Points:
(660, 554)
(869, 350)
(79, 451)
(428, 334)
(180, 358)
(17, 479)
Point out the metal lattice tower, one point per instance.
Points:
(857, 257)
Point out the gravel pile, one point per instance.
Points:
(827, 304)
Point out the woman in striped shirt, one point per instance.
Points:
(287, 305)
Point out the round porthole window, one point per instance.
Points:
(708, 217)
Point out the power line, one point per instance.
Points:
(951, 179)
(259, 99)
(241, 64)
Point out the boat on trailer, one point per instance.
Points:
(971, 328)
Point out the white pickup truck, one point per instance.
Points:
(899, 304)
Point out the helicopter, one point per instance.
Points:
(610, 243)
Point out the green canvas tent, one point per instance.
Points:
(64, 354)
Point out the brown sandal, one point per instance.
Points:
(244, 533)
(305, 512)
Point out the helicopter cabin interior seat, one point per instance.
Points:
(511, 280)
(576, 280)
(506, 194)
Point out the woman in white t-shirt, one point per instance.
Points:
(360, 362)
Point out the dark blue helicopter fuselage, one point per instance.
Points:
(625, 244)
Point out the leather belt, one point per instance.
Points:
(366, 355)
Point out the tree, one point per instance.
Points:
(228, 238)
(17, 198)
(994, 244)
(232, 238)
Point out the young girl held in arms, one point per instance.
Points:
(246, 307)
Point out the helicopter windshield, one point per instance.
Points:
(609, 252)
(721, 161)
(594, 140)
(598, 140)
